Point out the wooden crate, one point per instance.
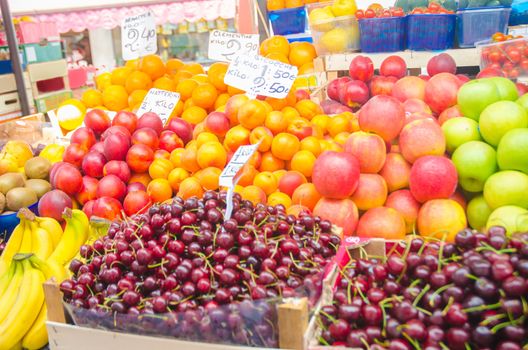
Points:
(45, 71)
(292, 321)
(10, 102)
(8, 83)
(333, 66)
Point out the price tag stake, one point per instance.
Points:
(161, 102)
(138, 36)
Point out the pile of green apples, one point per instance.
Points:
(489, 147)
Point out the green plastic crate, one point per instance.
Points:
(52, 100)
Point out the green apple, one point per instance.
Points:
(512, 152)
(475, 95)
(475, 162)
(458, 131)
(523, 101)
(511, 217)
(507, 89)
(499, 118)
(478, 212)
(507, 187)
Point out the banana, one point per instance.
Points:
(27, 244)
(42, 245)
(75, 235)
(52, 226)
(13, 246)
(26, 308)
(18, 346)
(6, 278)
(11, 293)
(50, 268)
(37, 336)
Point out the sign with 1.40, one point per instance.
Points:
(138, 36)
(161, 102)
(224, 46)
(258, 75)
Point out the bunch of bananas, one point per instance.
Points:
(37, 251)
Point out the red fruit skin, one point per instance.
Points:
(98, 147)
(441, 91)
(334, 107)
(335, 86)
(433, 177)
(97, 120)
(54, 169)
(217, 123)
(83, 136)
(107, 208)
(67, 178)
(136, 202)
(380, 85)
(354, 94)
(88, 208)
(88, 190)
(361, 68)
(383, 115)
(146, 136)
(111, 186)
(139, 158)
(341, 212)
(93, 164)
(116, 146)
(169, 141)
(126, 119)
(490, 72)
(336, 174)
(135, 186)
(393, 66)
(182, 128)
(74, 154)
(118, 168)
(442, 63)
(150, 120)
(53, 203)
(116, 129)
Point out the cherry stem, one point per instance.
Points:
(421, 294)
(448, 305)
(482, 308)
(500, 326)
(491, 319)
(365, 300)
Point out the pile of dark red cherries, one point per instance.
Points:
(181, 270)
(470, 294)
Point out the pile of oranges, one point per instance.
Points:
(274, 5)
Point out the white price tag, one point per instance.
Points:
(161, 102)
(224, 46)
(228, 176)
(138, 36)
(258, 75)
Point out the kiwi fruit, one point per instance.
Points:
(39, 186)
(37, 168)
(9, 181)
(20, 197)
(2, 202)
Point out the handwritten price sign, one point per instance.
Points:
(161, 102)
(258, 75)
(224, 46)
(138, 36)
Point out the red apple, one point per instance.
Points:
(169, 141)
(381, 85)
(414, 105)
(302, 94)
(290, 181)
(146, 136)
(361, 68)
(403, 202)
(150, 120)
(88, 190)
(182, 128)
(107, 208)
(354, 94)
(451, 112)
(136, 202)
(116, 146)
(83, 136)
(135, 186)
(369, 149)
(98, 147)
(334, 107)
(336, 174)
(442, 63)
(420, 138)
(217, 123)
(409, 87)
(126, 119)
(490, 72)
(463, 78)
(335, 86)
(111, 186)
(441, 91)
(383, 115)
(74, 154)
(301, 128)
(433, 177)
(393, 66)
(93, 164)
(116, 129)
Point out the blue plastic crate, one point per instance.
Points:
(477, 24)
(382, 34)
(288, 21)
(430, 31)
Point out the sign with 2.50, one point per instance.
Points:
(138, 36)
(258, 75)
(224, 46)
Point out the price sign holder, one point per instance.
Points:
(161, 102)
(224, 46)
(228, 177)
(138, 36)
(258, 75)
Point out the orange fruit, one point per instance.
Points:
(341, 137)
(204, 95)
(153, 66)
(201, 78)
(236, 137)
(92, 98)
(177, 111)
(233, 105)
(311, 143)
(279, 173)
(221, 100)
(136, 97)
(190, 187)
(205, 137)
(321, 121)
(269, 162)
(165, 83)
(276, 122)
(160, 168)
(161, 153)
(198, 129)
(276, 43)
(266, 181)
(337, 124)
(277, 56)
(185, 88)
(253, 194)
(277, 198)
(103, 80)
(211, 154)
(263, 135)
(274, 5)
(120, 75)
(194, 68)
(307, 68)
(216, 73)
(296, 209)
(209, 178)
(115, 98)
(188, 104)
(175, 157)
(173, 65)
(181, 75)
(159, 190)
(306, 195)
(276, 103)
(293, 3)
(285, 145)
(188, 159)
(143, 178)
(290, 114)
(303, 162)
(234, 91)
(138, 80)
(194, 114)
(301, 53)
(308, 109)
(247, 175)
(176, 176)
(132, 64)
(252, 114)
